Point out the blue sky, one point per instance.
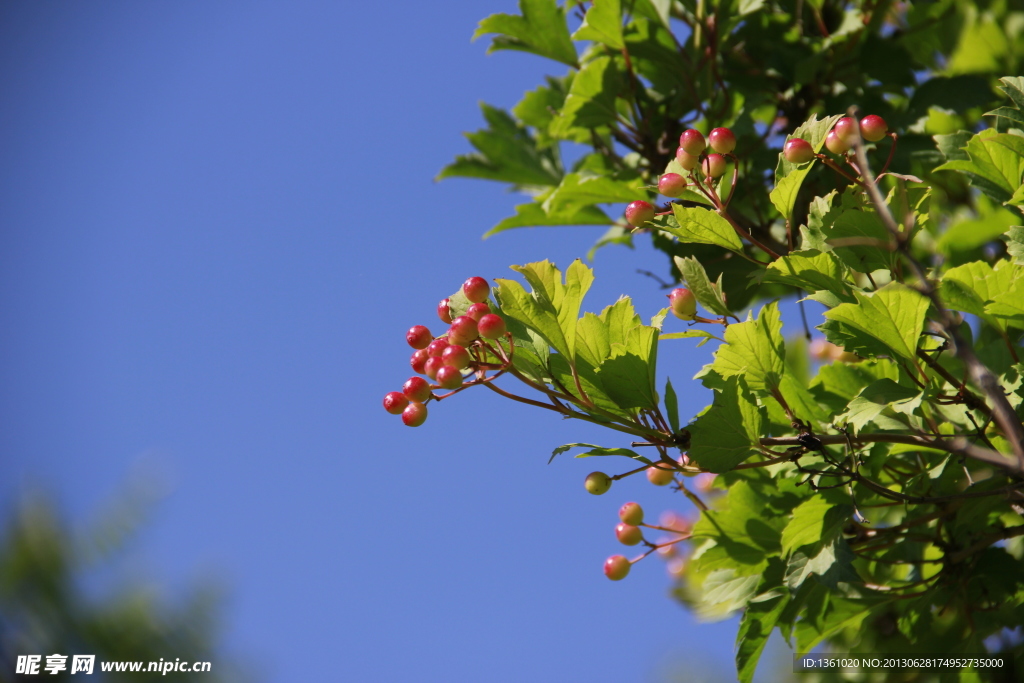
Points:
(218, 220)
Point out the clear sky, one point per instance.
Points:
(217, 220)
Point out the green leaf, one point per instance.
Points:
(671, 406)
(591, 100)
(628, 374)
(578, 190)
(811, 270)
(789, 177)
(541, 29)
(755, 350)
(505, 152)
(596, 450)
(561, 300)
(1015, 244)
(894, 315)
(816, 520)
(533, 215)
(1008, 306)
(876, 249)
(708, 294)
(729, 431)
(995, 165)
(756, 625)
(831, 562)
(603, 24)
(877, 397)
(536, 314)
(689, 334)
(703, 226)
(971, 286)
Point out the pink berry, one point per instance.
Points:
(632, 513)
(671, 184)
(722, 140)
(692, 141)
(414, 415)
(491, 326)
(836, 144)
(418, 337)
(456, 356)
(433, 364)
(714, 166)
(798, 151)
(687, 160)
(846, 130)
(660, 477)
(416, 389)
(616, 567)
(683, 303)
(476, 289)
(449, 377)
(418, 360)
(628, 534)
(477, 311)
(437, 347)
(873, 128)
(444, 312)
(597, 483)
(395, 402)
(463, 331)
(638, 213)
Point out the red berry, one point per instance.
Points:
(463, 331)
(660, 477)
(418, 337)
(836, 144)
(491, 326)
(692, 141)
(418, 360)
(444, 312)
(632, 513)
(476, 289)
(414, 414)
(638, 213)
(449, 377)
(798, 151)
(395, 402)
(616, 567)
(846, 130)
(477, 311)
(687, 160)
(628, 534)
(683, 303)
(714, 166)
(416, 389)
(722, 140)
(597, 483)
(456, 356)
(873, 127)
(671, 184)
(437, 347)
(433, 364)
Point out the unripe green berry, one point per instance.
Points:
(632, 513)
(683, 303)
(836, 144)
(660, 477)
(628, 534)
(671, 185)
(616, 567)
(598, 483)
(687, 160)
(714, 166)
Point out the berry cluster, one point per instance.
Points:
(839, 140)
(453, 359)
(630, 532)
(689, 155)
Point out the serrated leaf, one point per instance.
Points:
(789, 177)
(707, 294)
(811, 270)
(703, 226)
(1008, 306)
(540, 29)
(877, 397)
(894, 316)
(596, 450)
(969, 287)
(876, 249)
(995, 163)
(1015, 244)
(578, 190)
(602, 23)
(505, 152)
(551, 296)
(729, 431)
(816, 520)
(533, 215)
(754, 350)
(591, 99)
(671, 406)
(689, 334)
(756, 626)
(831, 562)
